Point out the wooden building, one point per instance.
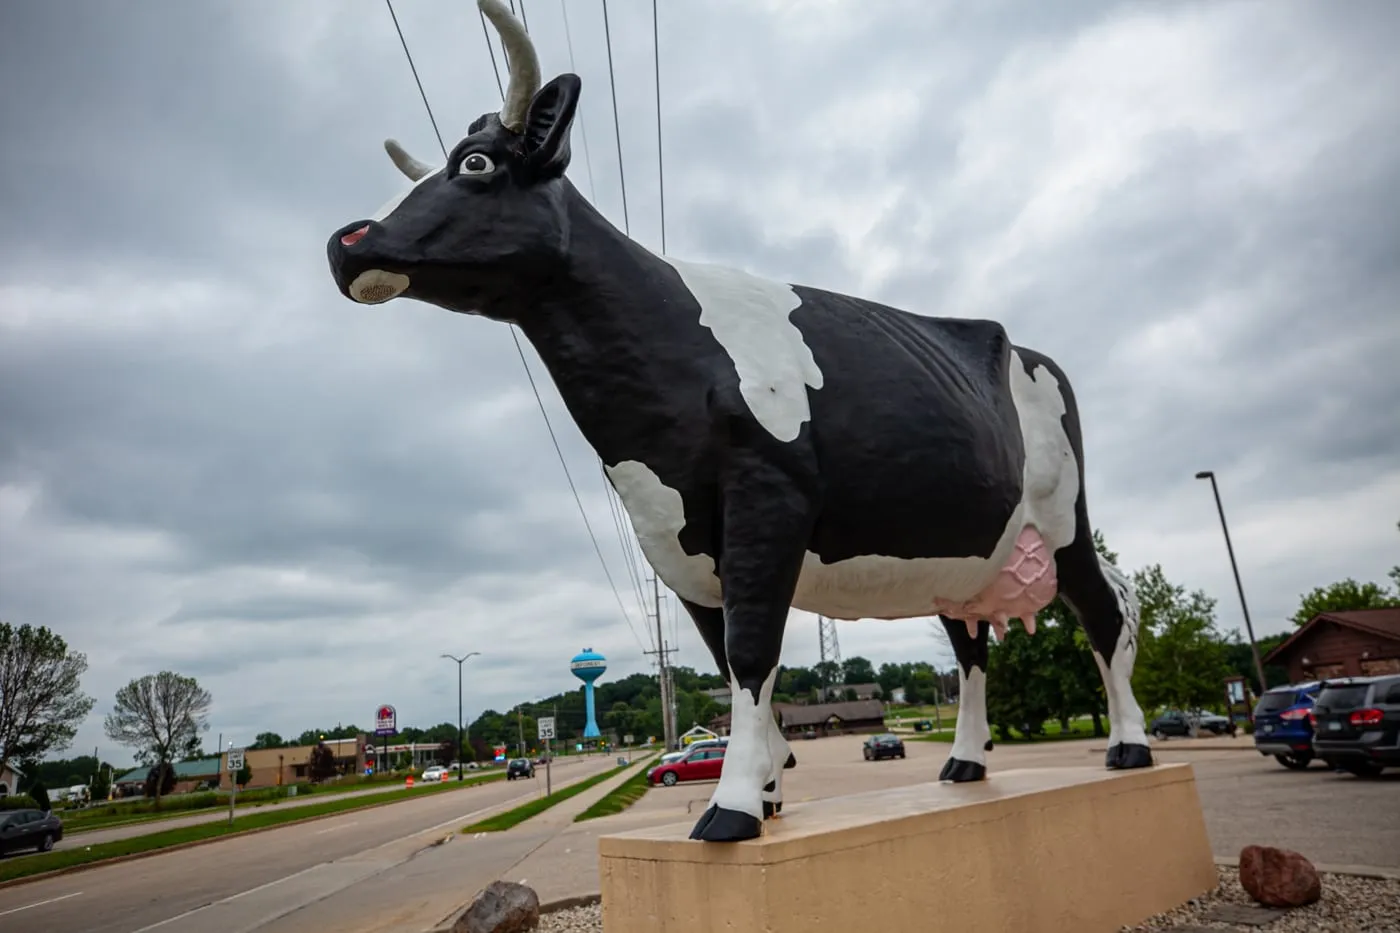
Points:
(1361, 642)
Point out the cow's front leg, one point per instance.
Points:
(973, 736)
(766, 526)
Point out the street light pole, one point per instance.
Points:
(1249, 626)
(461, 765)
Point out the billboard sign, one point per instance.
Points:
(386, 721)
(500, 751)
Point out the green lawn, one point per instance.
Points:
(619, 798)
(22, 867)
(503, 821)
(1077, 730)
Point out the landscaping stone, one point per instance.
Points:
(504, 907)
(1279, 877)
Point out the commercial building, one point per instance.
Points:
(189, 776)
(822, 719)
(273, 767)
(1357, 643)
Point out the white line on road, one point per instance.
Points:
(322, 832)
(52, 900)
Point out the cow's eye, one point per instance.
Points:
(477, 164)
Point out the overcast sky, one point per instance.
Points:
(211, 462)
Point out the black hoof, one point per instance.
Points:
(960, 772)
(770, 809)
(1123, 756)
(987, 746)
(791, 762)
(721, 825)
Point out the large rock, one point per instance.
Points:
(504, 907)
(1278, 877)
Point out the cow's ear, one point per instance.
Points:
(545, 141)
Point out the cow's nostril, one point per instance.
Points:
(355, 236)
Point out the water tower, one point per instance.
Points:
(588, 665)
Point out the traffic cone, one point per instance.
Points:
(408, 781)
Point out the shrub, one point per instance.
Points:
(19, 802)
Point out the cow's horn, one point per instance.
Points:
(524, 64)
(406, 163)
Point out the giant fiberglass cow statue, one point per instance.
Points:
(774, 445)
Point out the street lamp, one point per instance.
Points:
(461, 770)
(1249, 626)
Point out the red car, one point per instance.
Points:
(698, 764)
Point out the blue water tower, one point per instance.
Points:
(588, 665)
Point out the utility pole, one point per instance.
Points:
(520, 731)
(668, 727)
(830, 654)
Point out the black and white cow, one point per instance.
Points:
(774, 445)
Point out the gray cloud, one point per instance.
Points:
(210, 461)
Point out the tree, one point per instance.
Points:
(321, 765)
(1344, 596)
(41, 705)
(447, 752)
(858, 670)
(244, 775)
(160, 780)
(1181, 657)
(159, 714)
(267, 740)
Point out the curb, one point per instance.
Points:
(1353, 871)
(133, 856)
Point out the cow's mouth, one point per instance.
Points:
(375, 286)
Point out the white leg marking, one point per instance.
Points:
(778, 752)
(747, 758)
(1125, 718)
(970, 739)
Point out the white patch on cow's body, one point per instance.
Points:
(970, 739)
(393, 203)
(1126, 722)
(749, 316)
(658, 515)
(873, 585)
(747, 757)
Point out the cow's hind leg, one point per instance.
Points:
(766, 527)
(710, 623)
(973, 738)
(1103, 600)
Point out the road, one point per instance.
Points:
(191, 889)
(111, 834)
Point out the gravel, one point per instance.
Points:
(1349, 905)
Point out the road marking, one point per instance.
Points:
(322, 832)
(52, 900)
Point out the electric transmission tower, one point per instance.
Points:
(831, 651)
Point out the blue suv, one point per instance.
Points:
(1282, 725)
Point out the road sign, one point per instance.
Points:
(235, 760)
(546, 727)
(385, 721)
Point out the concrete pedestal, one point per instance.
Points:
(1056, 849)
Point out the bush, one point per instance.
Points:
(18, 802)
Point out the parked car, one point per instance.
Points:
(435, 773)
(1356, 724)
(1177, 722)
(883, 746)
(696, 764)
(29, 829)
(1283, 726)
(520, 768)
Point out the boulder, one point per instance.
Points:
(504, 907)
(1278, 877)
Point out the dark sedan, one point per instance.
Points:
(28, 829)
(883, 746)
(520, 768)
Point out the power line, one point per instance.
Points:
(582, 125)
(617, 127)
(521, 352)
(660, 161)
(490, 49)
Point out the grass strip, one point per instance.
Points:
(1075, 732)
(618, 799)
(13, 868)
(504, 821)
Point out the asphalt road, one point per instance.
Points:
(240, 884)
(111, 834)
